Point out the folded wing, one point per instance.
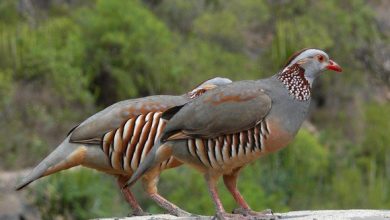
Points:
(223, 110)
(92, 129)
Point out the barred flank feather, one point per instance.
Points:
(215, 152)
(127, 146)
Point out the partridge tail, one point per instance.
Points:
(158, 154)
(65, 156)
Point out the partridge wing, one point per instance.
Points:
(224, 110)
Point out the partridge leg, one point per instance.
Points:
(150, 186)
(221, 213)
(137, 210)
(231, 184)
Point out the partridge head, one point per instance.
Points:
(311, 62)
(302, 68)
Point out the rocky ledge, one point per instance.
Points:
(354, 214)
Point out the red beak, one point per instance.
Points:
(334, 66)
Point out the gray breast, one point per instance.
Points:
(289, 111)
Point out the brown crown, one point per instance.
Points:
(292, 57)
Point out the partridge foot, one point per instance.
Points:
(138, 213)
(176, 211)
(263, 215)
(182, 213)
(229, 216)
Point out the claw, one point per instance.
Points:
(230, 216)
(253, 215)
(138, 213)
(182, 213)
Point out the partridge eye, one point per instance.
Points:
(321, 58)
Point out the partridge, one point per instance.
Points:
(232, 125)
(117, 139)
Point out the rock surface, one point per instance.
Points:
(355, 214)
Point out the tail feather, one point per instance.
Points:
(65, 156)
(158, 154)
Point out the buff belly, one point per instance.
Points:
(226, 153)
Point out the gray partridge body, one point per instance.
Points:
(232, 125)
(117, 139)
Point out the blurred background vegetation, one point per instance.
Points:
(63, 60)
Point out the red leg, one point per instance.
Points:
(137, 210)
(150, 185)
(231, 184)
(221, 213)
(170, 207)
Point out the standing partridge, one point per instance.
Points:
(116, 139)
(232, 125)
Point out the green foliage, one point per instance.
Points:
(286, 174)
(374, 156)
(199, 203)
(79, 194)
(228, 25)
(367, 165)
(136, 57)
(8, 14)
(313, 27)
(55, 50)
(41, 79)
(377, 126)
(196, 56)
(221, 27)
(6, 88)
(180, 15)
(61, 63)
(293, 34)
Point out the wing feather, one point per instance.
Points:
(223, 110)
(116, 115)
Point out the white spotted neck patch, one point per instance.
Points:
(293, 77)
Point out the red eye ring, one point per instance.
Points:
(320, 58)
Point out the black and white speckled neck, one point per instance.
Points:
(293, 77)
